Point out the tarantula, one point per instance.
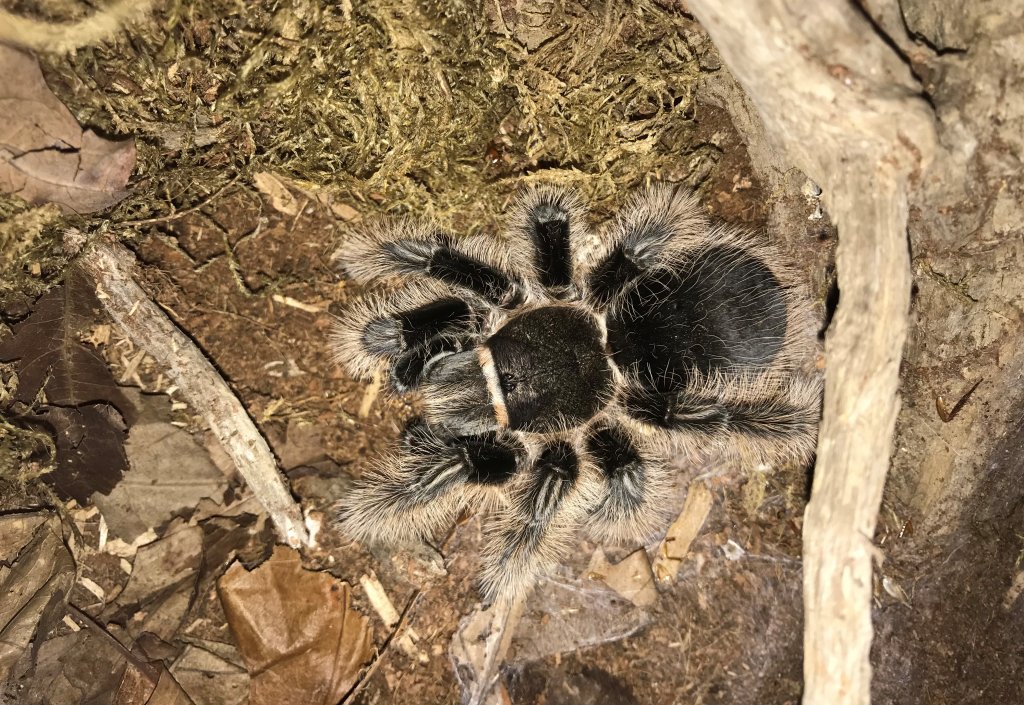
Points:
(560, 369)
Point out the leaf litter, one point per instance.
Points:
(66, 386)
(45, 157)
(295, 628)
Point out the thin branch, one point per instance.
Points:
(846, 110)
(112, 267)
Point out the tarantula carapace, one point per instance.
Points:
(560, 369)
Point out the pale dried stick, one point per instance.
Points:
(111, 267)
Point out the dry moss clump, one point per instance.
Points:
(435, 107)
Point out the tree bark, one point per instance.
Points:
(844, 109)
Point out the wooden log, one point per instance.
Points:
(844, 108)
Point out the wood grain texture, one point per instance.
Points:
(843, 108)
(112, 267)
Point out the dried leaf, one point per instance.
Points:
(140, 687)
(303, 444)
(209, 679)
(90, 449)
(34, 591)
(162, 584)
(82, 667)
(51, 357)
(170, 472)
(299, 636)
(273, 188)
(345, 212)
(90, 666)
(44, 154)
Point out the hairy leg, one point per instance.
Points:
(551, 223)
(769, 419)
(635, 485)
(405, 248)
(650, 229)
(404, 330)
(536, 528)
(423, 488)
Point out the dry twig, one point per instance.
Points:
(111, 266)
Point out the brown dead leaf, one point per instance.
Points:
(44, 154)
(301, 640)
(162, 584)
(51, 357)
(35, 588)
(139, 686)
(345, 212)
(90, 449)
(170, 472)
(303, 444)
(86, 409)
(209, 679)
(282, 200)
(91, 666)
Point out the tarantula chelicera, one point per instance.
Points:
(561, 368)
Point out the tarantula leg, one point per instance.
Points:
(653, 225)
(424, 488)
(551, 219)
(767, 420)
(439, 258)
(405, 249)
(635, 485)
(408, 330)
(535, 528)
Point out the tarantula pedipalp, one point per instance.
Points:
(560, 369)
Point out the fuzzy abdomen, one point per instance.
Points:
(719, 311)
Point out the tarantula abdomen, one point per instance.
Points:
(558, 379)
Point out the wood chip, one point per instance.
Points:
(631, 577)
(345, 212)
(370, 395)
(295, 303)
(385, 609)
(380, 601)
(281, 199)
(684, 530)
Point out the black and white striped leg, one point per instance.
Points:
(635, 481)
(406, 248)
(767, 420)
(552, 220)
(646, 232)
(533, 532)
(406, 330)
(422, 489)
